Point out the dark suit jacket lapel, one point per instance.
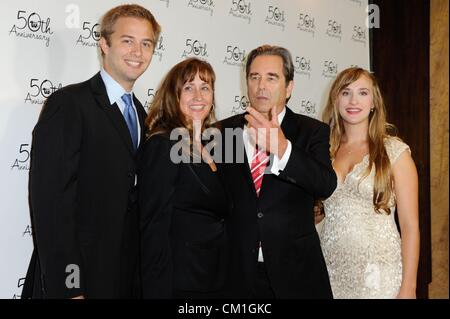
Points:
(244, 167)
(141, 117)
(113, 112)
(289, 126)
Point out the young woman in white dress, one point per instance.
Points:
(366, 256)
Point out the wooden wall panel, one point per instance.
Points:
(400, 60)
(439, 146)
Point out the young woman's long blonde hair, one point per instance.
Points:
(377, 133)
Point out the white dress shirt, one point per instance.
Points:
(115, 92)
(278, 163)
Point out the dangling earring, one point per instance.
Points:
(371, 110)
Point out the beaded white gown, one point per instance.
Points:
(362, 248)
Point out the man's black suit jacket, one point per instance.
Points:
(82, 197)
(282, 216)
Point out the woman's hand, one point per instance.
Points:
(319, 213)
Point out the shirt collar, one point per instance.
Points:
(281, 115)
(113, 88)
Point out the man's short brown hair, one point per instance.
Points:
(127, 10)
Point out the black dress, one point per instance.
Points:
(182, 221)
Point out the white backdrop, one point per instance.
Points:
(49, 44)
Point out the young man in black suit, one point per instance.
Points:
(82, 177)
(275, 250)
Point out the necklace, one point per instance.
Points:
(347, 150)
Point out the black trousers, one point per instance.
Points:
(262, 288)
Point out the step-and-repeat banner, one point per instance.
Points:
(48, 44)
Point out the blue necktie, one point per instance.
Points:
(130, 118)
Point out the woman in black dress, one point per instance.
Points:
(181, 199)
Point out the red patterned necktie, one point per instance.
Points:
(259, 164)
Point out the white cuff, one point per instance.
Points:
(279, 164)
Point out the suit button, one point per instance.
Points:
(260, 215)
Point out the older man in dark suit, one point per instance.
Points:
(275, 250)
